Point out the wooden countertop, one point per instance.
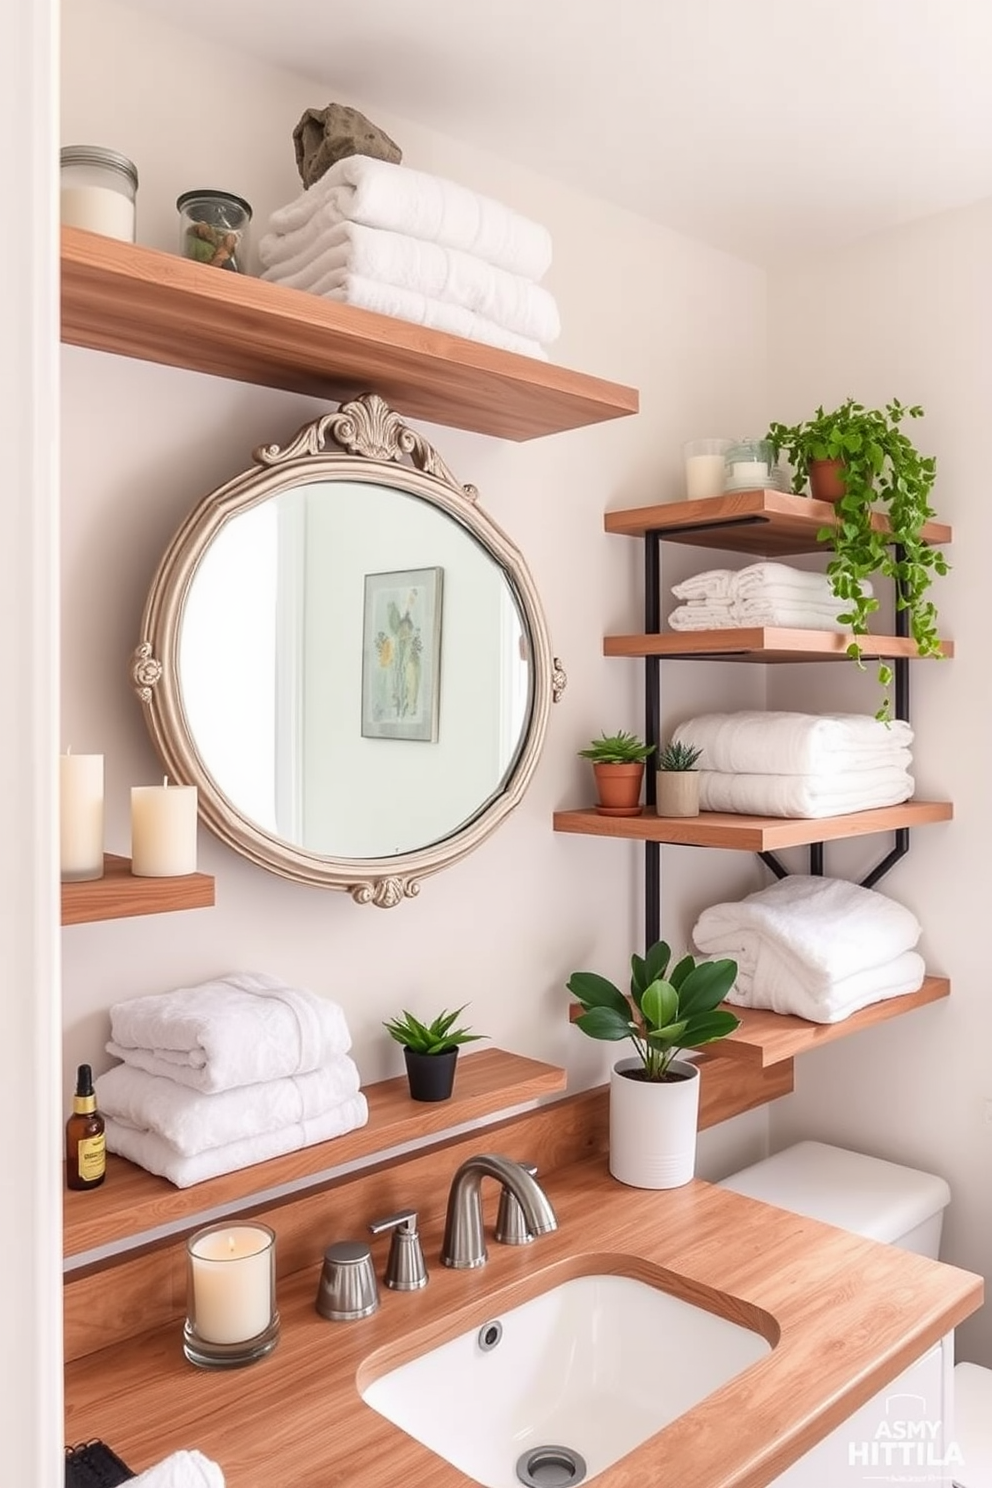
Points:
(849, 1315)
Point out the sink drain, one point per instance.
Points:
(551, 1467)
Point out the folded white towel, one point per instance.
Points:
(818, 947)
(713, 584)
(181, 1470)
(743, 615)
(430, 269)
(700, 615)
(419, 309)
(193, 1122)
(813, 796)
(795, 743)
(779, 579)
(398, 199)
(156, 1155)
(237, 1030)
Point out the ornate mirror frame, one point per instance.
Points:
(363, 441)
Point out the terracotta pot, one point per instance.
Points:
(826, 480)
(431, 1076)
(677, 792)
(619, 788)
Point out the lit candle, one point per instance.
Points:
(231, 1282)
(163, 830)
(80, 816)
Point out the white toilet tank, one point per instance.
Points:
(871, 1197)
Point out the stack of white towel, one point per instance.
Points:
(762, 594)
(225, 1074)
(817, 947)
(799, 764)
(404, 243)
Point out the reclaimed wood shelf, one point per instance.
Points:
(751, 833)
(132, 1201)
(160, 307)
(118, 894)
(765, 523)
(763, 644)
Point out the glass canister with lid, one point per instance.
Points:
(214, 228)
(97, 190)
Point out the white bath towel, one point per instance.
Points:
(398, 199)
(418, 309)
(702, 615)
(440, 273)
(817, 947)
(813, 796)
(181, 1470)
(156, 1155)
(795, 743)
(780, 580)
(236, 1030)
(749, 613)
(712, 584)
(193, 1122)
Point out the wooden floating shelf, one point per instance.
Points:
(762, 644)
(160, 307)
(750, 833)
(118, 894)
(765, 523)
(132, 1201)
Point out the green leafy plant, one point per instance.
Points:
(617, 749)
(678, 756)
(430, 1038)
(882, 469)
(665, 1012)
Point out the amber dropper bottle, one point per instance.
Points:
(85, 1143)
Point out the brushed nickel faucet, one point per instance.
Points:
(464, 1238)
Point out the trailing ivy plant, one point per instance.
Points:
(882, 469)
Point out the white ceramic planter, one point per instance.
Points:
(653, 1127)
(677, 792)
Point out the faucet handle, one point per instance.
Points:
(511, 1227)
(347, 1288)
(406, 1270)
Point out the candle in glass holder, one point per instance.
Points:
(80, 816)
(163, 830)
(231, 1312)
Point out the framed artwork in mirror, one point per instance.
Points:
(401, 654)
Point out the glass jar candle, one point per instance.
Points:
(97, 190)
(214, 228)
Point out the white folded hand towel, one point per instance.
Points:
(398, 199)
(430, 269)
(181, 1470)
(795, 743)
(420, 309)
(713, 584)
(815, 934)
(193, 1122)
(780, 990)
(779, 580)
(156, 1155)
(698, 615)
(236, 1030)
(814, 796)
(788, 614)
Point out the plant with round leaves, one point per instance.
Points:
(665, 1012)
(882, 471)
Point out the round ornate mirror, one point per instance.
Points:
(348, 659)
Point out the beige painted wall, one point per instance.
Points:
(907, 314)
(141, 444)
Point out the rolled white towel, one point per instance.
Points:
(813, 796)
(782, 743)
(236, 1030)
(712, 584)
(193, 1122)
(420, 309)
(430, 269)
(398, 199)
(181, 1470)
(156, 1155)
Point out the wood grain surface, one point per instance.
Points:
(119, 894)
(750, 833)
(762, 644)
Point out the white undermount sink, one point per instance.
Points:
(592, 1367)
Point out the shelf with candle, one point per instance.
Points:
(118, 894)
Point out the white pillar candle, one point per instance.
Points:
(231, 1277)
(750, 470)
(163, 830)
(704, 476)
(80, 816)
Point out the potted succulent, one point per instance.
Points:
(677, 781)
(430, 1051)
(618, 765)
(872, 467)
(654, 1097)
